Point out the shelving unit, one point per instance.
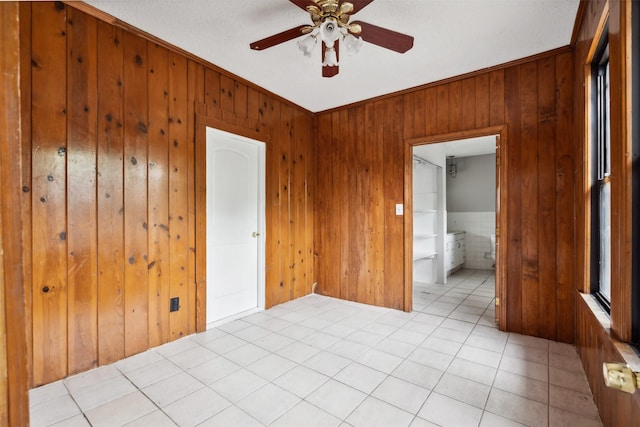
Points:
(425, 222)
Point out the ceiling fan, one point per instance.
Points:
(331, 24)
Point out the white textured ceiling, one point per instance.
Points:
(452, 37)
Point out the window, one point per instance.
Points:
(600, 172)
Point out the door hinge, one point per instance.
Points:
(497, 302)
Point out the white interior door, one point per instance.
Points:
(235, 217)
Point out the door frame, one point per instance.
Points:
(501, 212)
(248, 129)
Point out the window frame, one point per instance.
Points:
(600, 155)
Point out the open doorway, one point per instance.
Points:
(453, 221)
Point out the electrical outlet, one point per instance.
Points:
(174, 305)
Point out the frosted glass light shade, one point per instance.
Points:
(330, 58)
(307, 44)
(352, 44)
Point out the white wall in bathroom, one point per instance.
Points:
(474, 187)
(478, 226)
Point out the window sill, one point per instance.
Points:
(628, 354)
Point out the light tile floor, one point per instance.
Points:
(319, 361)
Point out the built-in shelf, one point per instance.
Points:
(427, 223)
(424, 236)
(428, 255)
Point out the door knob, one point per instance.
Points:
(255, 234)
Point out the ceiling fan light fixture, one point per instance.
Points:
(352, 43)
(331, 24)
(307, 44)
(329, 31)
(330, 57)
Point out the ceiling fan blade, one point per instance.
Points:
(326, 70)
(358, 5)
(302, 4)
(383, 37)
(277, 38)
(330, 71)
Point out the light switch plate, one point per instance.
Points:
(399, 209)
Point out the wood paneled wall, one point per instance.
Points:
(359, 243)
(109, 188)
(596, 346)
(601, 340)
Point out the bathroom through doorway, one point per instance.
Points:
(453, 215)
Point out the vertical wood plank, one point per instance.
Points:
(25, 120)
(320, 208)
(240, 106)
(5, 397)
(383, 214)
(296, 218)
(409, 119)
(81, 192)
(420, 113)
(178, 194)
(253, 105)
(343, 206)
(274, 273)
(48, 185)
(431, 111)
(546, 175)
(311, 164)
(377, 213)
(110, 195)
(195, 96)
(290, 213)
(442, 115)
(287, 168)
(212, 92)
(201, 226)
(159, 262)
(357, 249)
(455, 106)
(482, 101)
(369, 200)
(394, 194)
(529, 191)
(357, 204)
(14, 400)
(468, 119)
(300, 206)
(280, 199)
(335, 233)
(227, 92)
(497, 107)
(514, 253)
(565, 208)
(135, 194)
